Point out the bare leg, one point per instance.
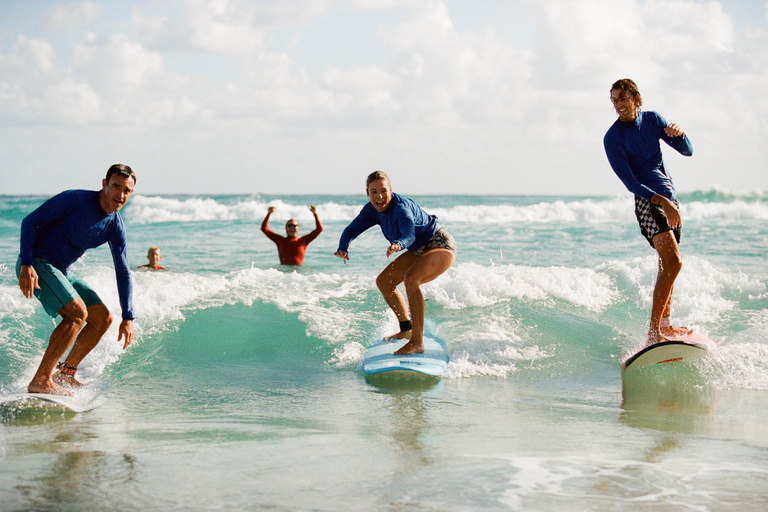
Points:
(426, 268)
(670, 264)
(387, 282)
(74, 315)
(99, 320)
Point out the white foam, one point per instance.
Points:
(739, 363)
(147, 209)
(348, 355)
(473, 285)
(703, 293)
(591, 480)
(13, 304)
(724, 212)
(585, 211)
(484, 338)
(590, 211)
(155, 209)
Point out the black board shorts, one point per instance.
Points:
(653, 221)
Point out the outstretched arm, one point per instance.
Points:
(359, 224)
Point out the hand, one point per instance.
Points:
(342, 254)
(393, 248)
(271, 210)
(673, 130)
(313, 209)
(671, 211)
(28, 281)
(125, 331)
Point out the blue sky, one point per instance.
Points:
(309, 96)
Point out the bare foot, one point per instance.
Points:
(66, 380)
(49, 388)
(402, 335)
(655, 337)
(412, 347)
(675, 331)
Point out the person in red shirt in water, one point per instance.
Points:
(291, 248)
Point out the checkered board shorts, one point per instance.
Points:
(653, 220)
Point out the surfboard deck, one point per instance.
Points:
(42, 401)
(380, 360)
(676, 349)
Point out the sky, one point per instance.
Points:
(310, 96)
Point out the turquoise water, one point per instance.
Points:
(242, 389)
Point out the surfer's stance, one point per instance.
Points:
(431, 250)
(633, 150)
(53, 237)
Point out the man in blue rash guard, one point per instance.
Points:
(53, 237)
(431, 250)
(633, 150)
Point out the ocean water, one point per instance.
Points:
(242, 389)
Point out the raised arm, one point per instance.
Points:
(318, 226)
(265, 226)
(265, 222)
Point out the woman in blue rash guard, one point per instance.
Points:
(429, 251)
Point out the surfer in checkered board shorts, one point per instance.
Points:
(633, 150)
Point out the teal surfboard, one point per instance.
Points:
(380, 360)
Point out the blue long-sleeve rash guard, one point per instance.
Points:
(403, 222)
(634, 152)
(62, 228)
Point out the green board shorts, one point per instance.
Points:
(56, 289)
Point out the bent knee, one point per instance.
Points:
(99, 314)
(385, 282)
(75, 311)
(412, 279)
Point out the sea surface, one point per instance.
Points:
(242, 389)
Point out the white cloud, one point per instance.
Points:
(69, 102)
(72, 15)
(230, 28)
(24, 71)
(117, 64)
(27, 56)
